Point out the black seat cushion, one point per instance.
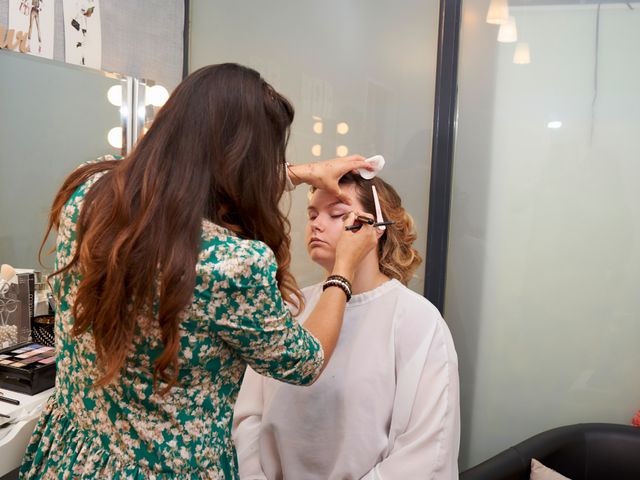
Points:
(586, 451)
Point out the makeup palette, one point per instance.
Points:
(28, 368)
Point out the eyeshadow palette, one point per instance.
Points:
(27, 368)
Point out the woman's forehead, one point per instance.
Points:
(324, 199)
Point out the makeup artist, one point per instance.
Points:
(172, 272)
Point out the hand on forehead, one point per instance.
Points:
(319, 199)
(322, 199)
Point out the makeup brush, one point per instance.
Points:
(369, 221)
(358, 226)
(7, 272)
(10, 400)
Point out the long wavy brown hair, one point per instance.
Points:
(215, 151)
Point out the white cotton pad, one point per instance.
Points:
(378, 163)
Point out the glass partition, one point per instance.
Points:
(361, 75)
(544, 255)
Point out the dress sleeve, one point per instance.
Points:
(247, 420)
(250, 315)
(427, 447)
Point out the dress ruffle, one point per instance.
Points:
(60, 449)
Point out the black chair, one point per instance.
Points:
(586, 451)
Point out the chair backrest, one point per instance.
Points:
(586, 451)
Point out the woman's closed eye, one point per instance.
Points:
(341, 214)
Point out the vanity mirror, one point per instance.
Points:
(55, 116)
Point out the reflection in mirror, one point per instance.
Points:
(54, 117)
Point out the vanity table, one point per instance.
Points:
(16, 430)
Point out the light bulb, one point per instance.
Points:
(342, 128)
(114, 137)
(508, 32)
(317, 127)
(114, 95)
(316, 150)
(342, 151)
(522, 56)
(498, 12)
(157, 95)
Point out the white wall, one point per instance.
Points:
(542, 289)
(368, 63)
(142, 39)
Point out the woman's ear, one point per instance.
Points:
(379, 232)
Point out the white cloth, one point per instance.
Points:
(385, 408)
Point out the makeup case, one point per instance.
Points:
(27, 368)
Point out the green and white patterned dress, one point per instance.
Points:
(127, 430)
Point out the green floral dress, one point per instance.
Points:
(127, 430)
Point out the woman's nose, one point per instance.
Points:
(316, 225)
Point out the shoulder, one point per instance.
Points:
(76, 199)
(415, 311)
(247, 261)
(419, 322)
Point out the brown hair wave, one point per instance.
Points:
(216, 151)
(396, 256)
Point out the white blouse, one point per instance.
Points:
(386, 407)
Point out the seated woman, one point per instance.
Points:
(387, 406)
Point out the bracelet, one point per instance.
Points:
(341, 278)
(340, 282)
(340, 285)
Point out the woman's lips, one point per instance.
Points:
(316, 242)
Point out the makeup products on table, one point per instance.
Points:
(6, 399)
(16, 305)
(27, 368)
(8, 306)
(42, 322)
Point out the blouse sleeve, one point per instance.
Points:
(250, 315)
(428, 445)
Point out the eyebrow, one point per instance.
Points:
(333, 204)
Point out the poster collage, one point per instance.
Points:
(82, 34)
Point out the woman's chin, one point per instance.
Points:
(322, 258)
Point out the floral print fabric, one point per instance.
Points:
(127, 430)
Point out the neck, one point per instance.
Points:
(367, 276)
